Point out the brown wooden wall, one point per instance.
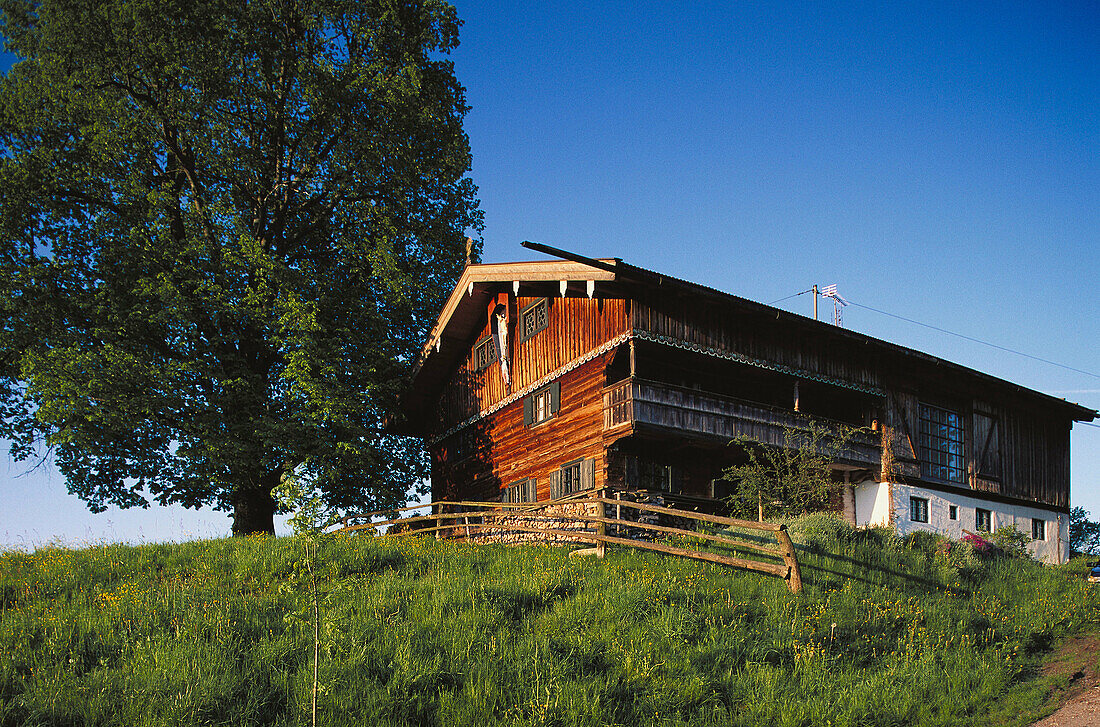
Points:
(576, 327)
(1027, 456)
(506, 451)
(726, 327)
(1034, 442)
(1032, 437)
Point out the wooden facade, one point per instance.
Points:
(623, 377)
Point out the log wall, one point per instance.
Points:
(505, 450)
(576, 326)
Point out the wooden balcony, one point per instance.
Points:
(639, 402)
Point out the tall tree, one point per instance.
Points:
(225, 227)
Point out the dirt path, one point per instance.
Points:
(1076, 660)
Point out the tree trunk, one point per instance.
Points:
(254, 510)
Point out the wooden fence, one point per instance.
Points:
(559, 520)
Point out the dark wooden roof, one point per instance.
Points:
(464, 315)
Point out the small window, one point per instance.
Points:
(542, 404)
(485, 353)
(573, 477)
(533, 319)
(918, 509)
(983, 520)
(953, 512)
(1038, 529)
(522, 491)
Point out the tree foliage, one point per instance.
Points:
(791, 479)
(1084, 534)
(225, 228)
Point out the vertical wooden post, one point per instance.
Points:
(794, 574)
(601, 528)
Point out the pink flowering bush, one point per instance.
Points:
(980, 544)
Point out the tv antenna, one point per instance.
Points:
(829, 291)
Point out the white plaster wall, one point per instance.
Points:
(872, 503)
(1055, 549)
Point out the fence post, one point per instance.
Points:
(601, 528)
(794, 575)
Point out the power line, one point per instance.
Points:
(978, 340)
(791, 296)
(958, 335)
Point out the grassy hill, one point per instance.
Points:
(887, 632)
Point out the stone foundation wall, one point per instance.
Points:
(505, 528)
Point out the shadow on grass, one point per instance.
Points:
(824, 569)
(860, 570)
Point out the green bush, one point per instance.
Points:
(1012, 542)
(924, 541)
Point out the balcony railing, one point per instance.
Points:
(618, 405)
(636, 401)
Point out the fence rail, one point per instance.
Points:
(558, 519)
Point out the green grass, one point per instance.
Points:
(418, 631)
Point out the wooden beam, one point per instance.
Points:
(566, 255)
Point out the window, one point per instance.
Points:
(522, 491)
(918, 509)
(1038, 529)
(953, 512)
(941, 443)
(647, 474)
(573, 477)
(542, 404)
(485, 353)
(721, 489)
(983, 520)
(533, 319)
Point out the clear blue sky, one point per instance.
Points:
(940, 161)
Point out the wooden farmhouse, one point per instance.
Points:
(542, 379)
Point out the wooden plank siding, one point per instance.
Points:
(576, 326)
(508, 451)
(1032, 450)
(731, 328)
